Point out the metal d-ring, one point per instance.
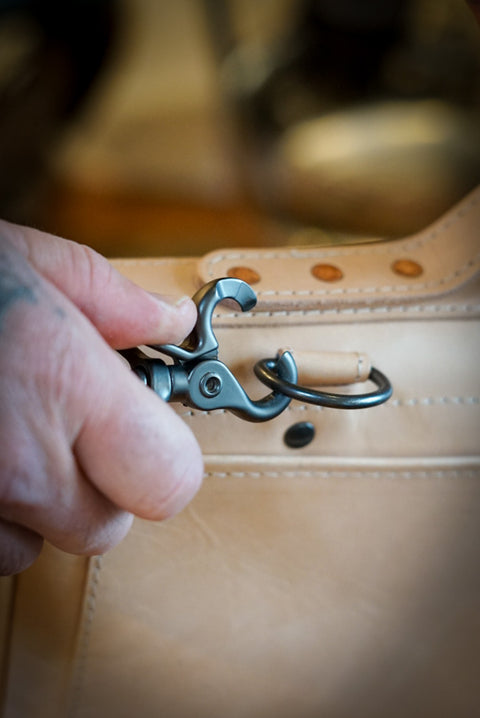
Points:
(264, 370)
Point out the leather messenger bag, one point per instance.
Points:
(329, 566)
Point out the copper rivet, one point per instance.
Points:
(246, 274)
(407, 268)
(327, 272)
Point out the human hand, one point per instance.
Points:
(83, 443)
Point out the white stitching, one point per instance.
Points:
(151, 262)
(458, 273)
(405, 309)
(436, 401)
(385, 249)
(393, 403)
(90, 608)
(355, 474)
(360, 363)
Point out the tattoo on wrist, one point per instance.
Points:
(14, 286)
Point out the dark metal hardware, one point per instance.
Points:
(299, 435)
(264, 370)
(198, 379)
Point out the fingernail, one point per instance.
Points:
(168, 301)
(183, 300)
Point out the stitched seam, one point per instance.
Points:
(360, 363)
(151, 262)
(354, 474)
(403, 308)
(436, 401)
(384, 249)
(404, 288)
(427, 401)
(472, 263)
(389, 248)
(87, 621)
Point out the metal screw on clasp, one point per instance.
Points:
(210, 384)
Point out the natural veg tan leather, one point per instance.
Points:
(335, 368)
(448, 253)
(336, 580)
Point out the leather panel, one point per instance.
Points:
(45, 619)
(435, 408)
(329, 589)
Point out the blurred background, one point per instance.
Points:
(151, 127)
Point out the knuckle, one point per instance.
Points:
(97, 537)
(95, 271)
(19, 548)
(177, 489)
(21, 485)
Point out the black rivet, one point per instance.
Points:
(299, 435)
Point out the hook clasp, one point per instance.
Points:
(197, 377)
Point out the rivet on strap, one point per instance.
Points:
(407, 268)
(246, 274)
(327, 272)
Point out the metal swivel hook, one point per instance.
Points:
(202, 342)
(197, 377)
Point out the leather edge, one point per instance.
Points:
(447, 254)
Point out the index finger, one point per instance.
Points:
(123, 313)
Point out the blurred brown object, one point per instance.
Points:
(246, 123)
(47, 69)
(128, 224)
(475, 7)
(391, 168)
(360, 120)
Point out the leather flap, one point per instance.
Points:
(436, 261)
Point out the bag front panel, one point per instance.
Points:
(319, 589)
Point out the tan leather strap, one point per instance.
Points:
(431, 263)
(330, 368)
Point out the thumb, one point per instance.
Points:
(132, 446)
